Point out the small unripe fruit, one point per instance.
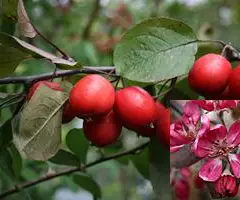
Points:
(92, 96)
(102, 131)
(234, 83)
(209, 74)
(53, 85)
(135, 107)
(163, 124)
(68, 113)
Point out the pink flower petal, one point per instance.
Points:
(186, 172)
(202, 147)
(204, 143)
(177, 135)
(182, 189)
(211, 170)
(175, 148)
(227, 104)
(205, 125)
(234, 160)
(233, 137)
(205, 104)
(191, 113)
(217, 132)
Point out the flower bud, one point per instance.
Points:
(226, 186)
(182, 189)
(198, 182)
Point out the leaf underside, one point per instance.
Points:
(39, 134)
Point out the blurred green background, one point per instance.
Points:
(88, 30)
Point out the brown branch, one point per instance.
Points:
(93, 16)
(17, 188)
(59, 73)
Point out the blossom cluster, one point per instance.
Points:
(215, 145)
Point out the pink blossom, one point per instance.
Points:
(217, 146)
(180, 183)
(226, 186)
(188, 128)
(211, 105)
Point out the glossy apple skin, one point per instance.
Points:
(103, 131)
(223, 96)
(210, 74)
(234, 83)
(52, 85)
(92, 96)
(135, 107)
(163, 124)
(68, 113)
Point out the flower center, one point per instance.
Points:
(221, 148)
(189, 132)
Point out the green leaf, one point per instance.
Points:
(176, 94)
(141, 162)
(183, 87)
(65, 158)
(24, 47)
(7, 25)
(160, 170)
(116, 147)
(156, 49)
(78, 144)
(9, 99)
(10, 8)
(5, 134)
(39, 134)
(66, 86)
(9, 59)
(16, 160)
(87, 183)
(6, 163)
(3, 96)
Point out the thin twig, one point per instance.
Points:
(71, 170)
(161, 89)
(12, 103)
(93, 16)
(65, 56)
(11, 99)
(176, 107)
(59, 73)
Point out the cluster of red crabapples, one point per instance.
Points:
(211, 143)
(212, 76)
(105, 111)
